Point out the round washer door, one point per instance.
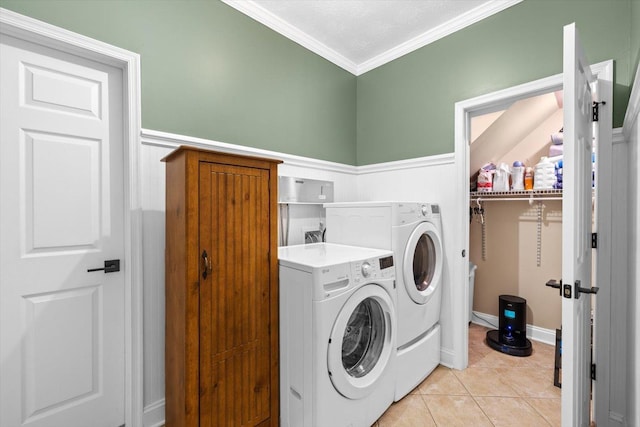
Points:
(422, 269)
(362, 342)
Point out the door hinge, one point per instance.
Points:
(596, 108)
(594, 240)
(593, 371)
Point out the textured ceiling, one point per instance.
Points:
(356, 32)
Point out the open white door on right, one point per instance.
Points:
(576, 233)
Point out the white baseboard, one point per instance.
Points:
(154, 414)
(536, 333)
(446, 357)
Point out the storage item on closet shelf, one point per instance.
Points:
(517, 175)
(558, 184)
(555, 150)
(501, 177)
(557, 138)
(559, 165)
(528, 178)
(544, 175)
(554, 159)
(485, 177)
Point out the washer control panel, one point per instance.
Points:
(374, 268)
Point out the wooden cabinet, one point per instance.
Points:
(221, 350)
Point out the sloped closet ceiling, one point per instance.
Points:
(521, 132)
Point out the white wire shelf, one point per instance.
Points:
(516, 195)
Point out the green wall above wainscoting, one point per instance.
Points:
(211, 72)
(406, 107)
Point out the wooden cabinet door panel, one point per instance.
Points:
(235, 346)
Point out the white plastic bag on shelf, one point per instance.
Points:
(501, 177)
(485, 177)
(544, 177)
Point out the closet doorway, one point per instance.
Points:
(515, 235)
(492, 103)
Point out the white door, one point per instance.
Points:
(576, 233)
(61, 187)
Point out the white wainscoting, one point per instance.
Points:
(152, 177)
(631, 130)
(155, 146)
(616, 406)
(429, 179)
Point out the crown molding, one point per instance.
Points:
(260, 14)
(471, 17)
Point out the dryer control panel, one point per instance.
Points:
(409, 213)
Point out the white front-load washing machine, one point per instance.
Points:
(337, 335)
(413, 231)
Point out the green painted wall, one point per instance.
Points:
(405, 109)
(211, 72)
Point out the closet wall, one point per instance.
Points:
(510, 263)
(522, 245)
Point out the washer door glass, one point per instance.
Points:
(424, 262)
(363, 338)
(362, 341)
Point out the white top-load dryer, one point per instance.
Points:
(413, 231)
(337, 335)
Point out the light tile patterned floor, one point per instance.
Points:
(495, 390)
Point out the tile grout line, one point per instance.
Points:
(534, 408)
(428, 409)
(479, 406)
(474, 398)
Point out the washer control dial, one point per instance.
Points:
(366, 269)
(425, 210)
